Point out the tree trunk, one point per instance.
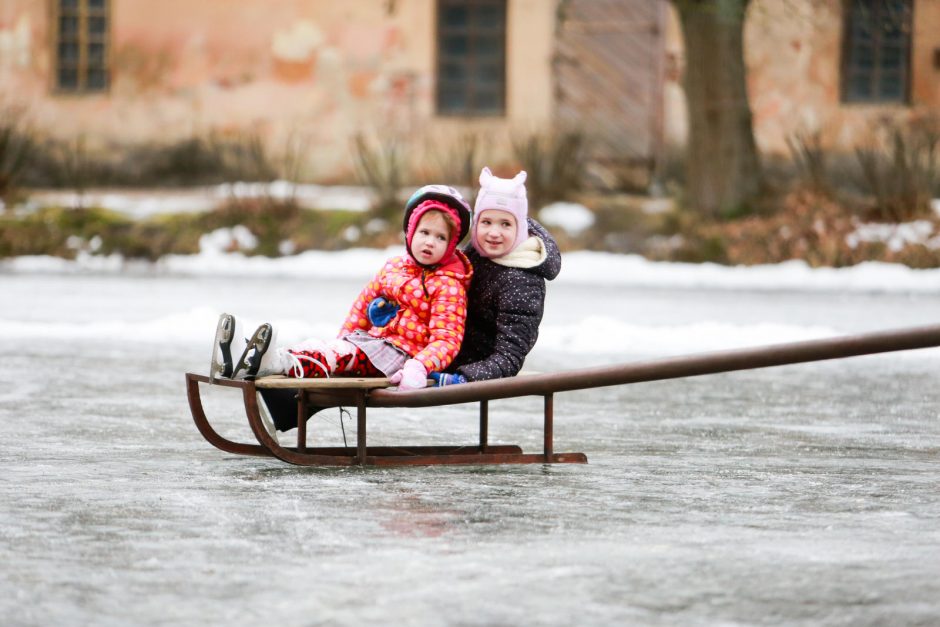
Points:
(723, 172)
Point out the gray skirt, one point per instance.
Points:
(385, 357)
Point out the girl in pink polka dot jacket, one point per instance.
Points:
(408, 320)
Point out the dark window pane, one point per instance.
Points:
(96, 25)
(864, 57)
(891, 57)
(489, 101)
(490, 43)
(490, 16)
(68, 78)
(68, 5)
(890, 91)
(489, 72)
(451, 98)
(96, 4)
(68, 26)
(454, 71)
(860, 87)
(96, 79)
(96, 53)
(68, 51)
(456, 45)
(454, 16)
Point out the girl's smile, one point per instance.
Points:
(496, 232)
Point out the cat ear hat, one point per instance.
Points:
(506, 195)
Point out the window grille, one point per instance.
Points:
(471, 57)
(876, 51)
(82, 45)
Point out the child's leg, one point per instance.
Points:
(356, 364)
(318, 364)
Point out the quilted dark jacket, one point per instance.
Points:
(504, 312)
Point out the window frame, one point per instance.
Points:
(82, 39)
(470, 61)
(849, 70)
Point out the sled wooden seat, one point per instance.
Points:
(363, 393)
(288, 383)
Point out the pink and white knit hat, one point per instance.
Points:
(506, 195)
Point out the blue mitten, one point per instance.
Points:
(381, 311)
(442, 378)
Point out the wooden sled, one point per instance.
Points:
(360, 393)
(365, 393)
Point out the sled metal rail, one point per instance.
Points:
(363, 393)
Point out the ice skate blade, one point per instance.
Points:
(221, 361)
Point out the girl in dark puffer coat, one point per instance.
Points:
(512, 257)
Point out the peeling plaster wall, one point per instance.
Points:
(321, 70)
(793, 54)
(317, 69)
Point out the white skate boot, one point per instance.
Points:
(229, 344)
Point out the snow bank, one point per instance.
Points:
(587, 268)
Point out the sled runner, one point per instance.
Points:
(309, 395)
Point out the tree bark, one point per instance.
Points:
(723, 171)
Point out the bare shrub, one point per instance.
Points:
(17, 146)
(899, 167)
(555, 163)
(458, 161)
(810, 159)
(243, 156)
(381, 164)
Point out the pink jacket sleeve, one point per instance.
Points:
(358, 316)
(445, 326)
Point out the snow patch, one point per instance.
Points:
(226, 239)
(146, 203)
(582, 267)
(571, 217)
(895, 236)
(593, 268)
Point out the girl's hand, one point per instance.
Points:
(381, 311)
(412, 376)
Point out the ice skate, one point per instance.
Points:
(253, 360)
(229, 344)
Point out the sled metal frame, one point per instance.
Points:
(357, 392)
(363, 393)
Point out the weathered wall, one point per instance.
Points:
(322, 70)
(793, 52)
(318, 69)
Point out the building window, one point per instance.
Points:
(81, 45)
(876, 51)
(471, 57)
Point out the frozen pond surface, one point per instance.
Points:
(798, 495)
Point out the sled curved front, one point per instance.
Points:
(205, 428)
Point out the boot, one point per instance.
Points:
(229, 344)
(257, 360)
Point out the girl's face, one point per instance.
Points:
(429, 242)
(496, 232)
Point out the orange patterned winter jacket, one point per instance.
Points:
(429, 325)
